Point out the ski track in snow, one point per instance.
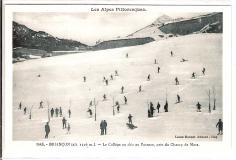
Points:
(61, 81)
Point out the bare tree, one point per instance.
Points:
(209, 96)
(95, 109)
(214, 98)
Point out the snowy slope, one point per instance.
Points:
(61, 81)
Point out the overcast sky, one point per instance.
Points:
(88, 27)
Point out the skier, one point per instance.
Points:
(151, 109)
(41, 104)
(140, 88)
(125, 99)
(20, 105)
(193, 75)
(60, 110)
(148, 78)
(158, 69)
(130, 119)
(25, 110)
(116, 73)
(178, 98)
(111, 77)
(183, 60)
(105, 126)
(220, 127)
(104, 97)
(127, 55)
(52, 112)
(198, 107)
(122, 89)
(47, 129)
(158, 106)
(171, 54)
(106, 82)
(84, 79)
(176, 81)
(69, 112)
(166, 107)
(68, 128)
(102, 127)
(90, 112)
(118, 106)
(203, 71)
(64, 122)
(56, 110)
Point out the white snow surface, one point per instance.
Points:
(61, 84)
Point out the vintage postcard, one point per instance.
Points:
(115, 76)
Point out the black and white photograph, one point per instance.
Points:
(122, 77)
(105, 75)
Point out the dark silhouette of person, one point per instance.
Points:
(52, 112)
(171, 54)
(198, 107)
(127, 55)
(90, 112)
(178, 98)
(130, 119)
(176, 81)
(203, 71)
(193, 75)
(106, 82)
(63, 122)
(105, 126)
(125, 98)
(158, 69)
(149, 113)
(25, 109)
(220, 127)
(155, 61)
(102, 127)
(122, 89)
(148, 78)
(158, 106)
(104, 97)
(20, 105)
(111, 77)
(151, 109)
(69, 112)
(57, 111)
(41, 104)
(166, 107)
(116, 73)
(84, 79)
(47, 130)
(140, 88)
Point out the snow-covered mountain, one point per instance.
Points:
(28, 38)
(165, 26)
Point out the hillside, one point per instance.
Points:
(28, 38)
(164, 26)
(61, 85)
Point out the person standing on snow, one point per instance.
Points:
(158, 69)
(52, 112)
(166, 107)
(203, 71)
(69, 112)
(198, 107)
(102, 127)
(158, 107)
(125, 99)
(63, 122)
(47, 130)
(130, 119)
(220, 127)
(122, 89)
(178, 98)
